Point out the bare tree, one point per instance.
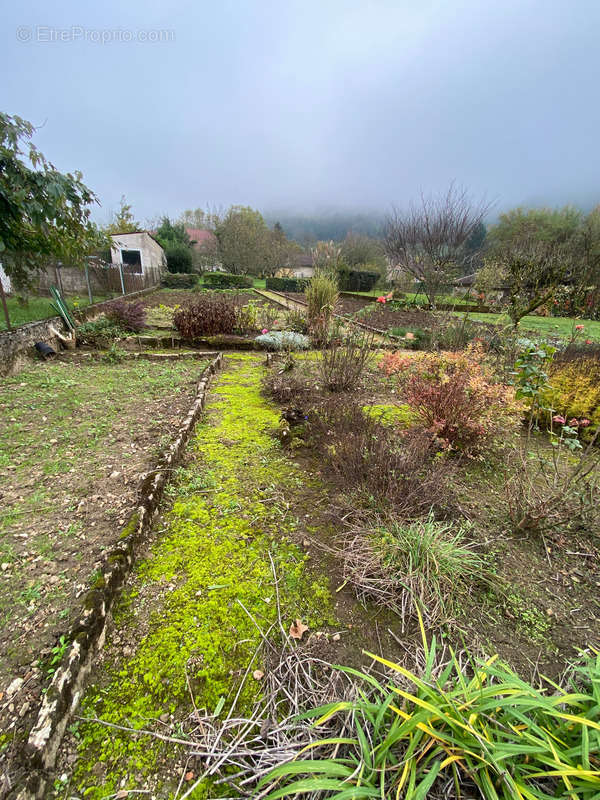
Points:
(427, 240)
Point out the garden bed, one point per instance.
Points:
(79, 438)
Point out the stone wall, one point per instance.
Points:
(17, 346)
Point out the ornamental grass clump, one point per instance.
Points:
(453, 734)
(321, 297)
(424, 565)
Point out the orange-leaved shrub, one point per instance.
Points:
(455, 397)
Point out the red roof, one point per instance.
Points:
(200, 236)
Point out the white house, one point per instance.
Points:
(139, 252)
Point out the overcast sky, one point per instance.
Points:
(300, 104)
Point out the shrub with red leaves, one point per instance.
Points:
(455, 399)
(210, 314)
(129, 315)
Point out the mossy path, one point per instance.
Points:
(184, 627)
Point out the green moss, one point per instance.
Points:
(211, 564)
(131, 526)
(400, 415)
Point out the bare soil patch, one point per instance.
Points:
(77, 439)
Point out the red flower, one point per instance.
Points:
(381, 299)
(588, 341)
(579, 327)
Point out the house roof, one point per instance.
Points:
(128, 233)
(303, 260)
(199, 236)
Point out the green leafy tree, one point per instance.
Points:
(123, 221)
(170, 233)
(523, 226)
(179, 257)
(245, 242)
(359, 252)
(44, 213)
(529, 271)
(205, 219)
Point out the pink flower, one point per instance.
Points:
(559, 419)
(265, 330)
(381, 299)
(579, 327)
(573, 423)
(584, 423)
(588, 341)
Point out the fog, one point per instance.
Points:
(297, 106)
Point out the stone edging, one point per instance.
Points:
(88, 633)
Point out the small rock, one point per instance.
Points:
(258, 674)
(114, 475)
(14, 687)
(164, 717)
(336, 637)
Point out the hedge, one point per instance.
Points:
(178, 280)
(224, 280)
(356, 281)
(286, 284)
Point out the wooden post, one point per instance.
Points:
(89, 285)
(5, 307)
(59, 280)
(122, 281)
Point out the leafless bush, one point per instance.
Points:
(288, 387)
(552, 488)
(396, 466)
(427, 240)
(343, 361)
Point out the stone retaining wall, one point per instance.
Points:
(87, 635)
(17, 346)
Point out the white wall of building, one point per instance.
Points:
(151, 253)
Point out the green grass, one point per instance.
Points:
(561, 327)
(38, 308)
(259, 283)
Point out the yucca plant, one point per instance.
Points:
(447, 734)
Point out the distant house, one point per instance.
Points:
(205, 243)
(302, 267)
(139, 252)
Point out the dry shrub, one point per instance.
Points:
(552, 487)
(455, 398)
(343, 361)
(392, 466)
(128, 315)
(288, 387)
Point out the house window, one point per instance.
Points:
(132, 261)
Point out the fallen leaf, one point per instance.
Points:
(258, 674)
(297, 629)
(121, 794)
